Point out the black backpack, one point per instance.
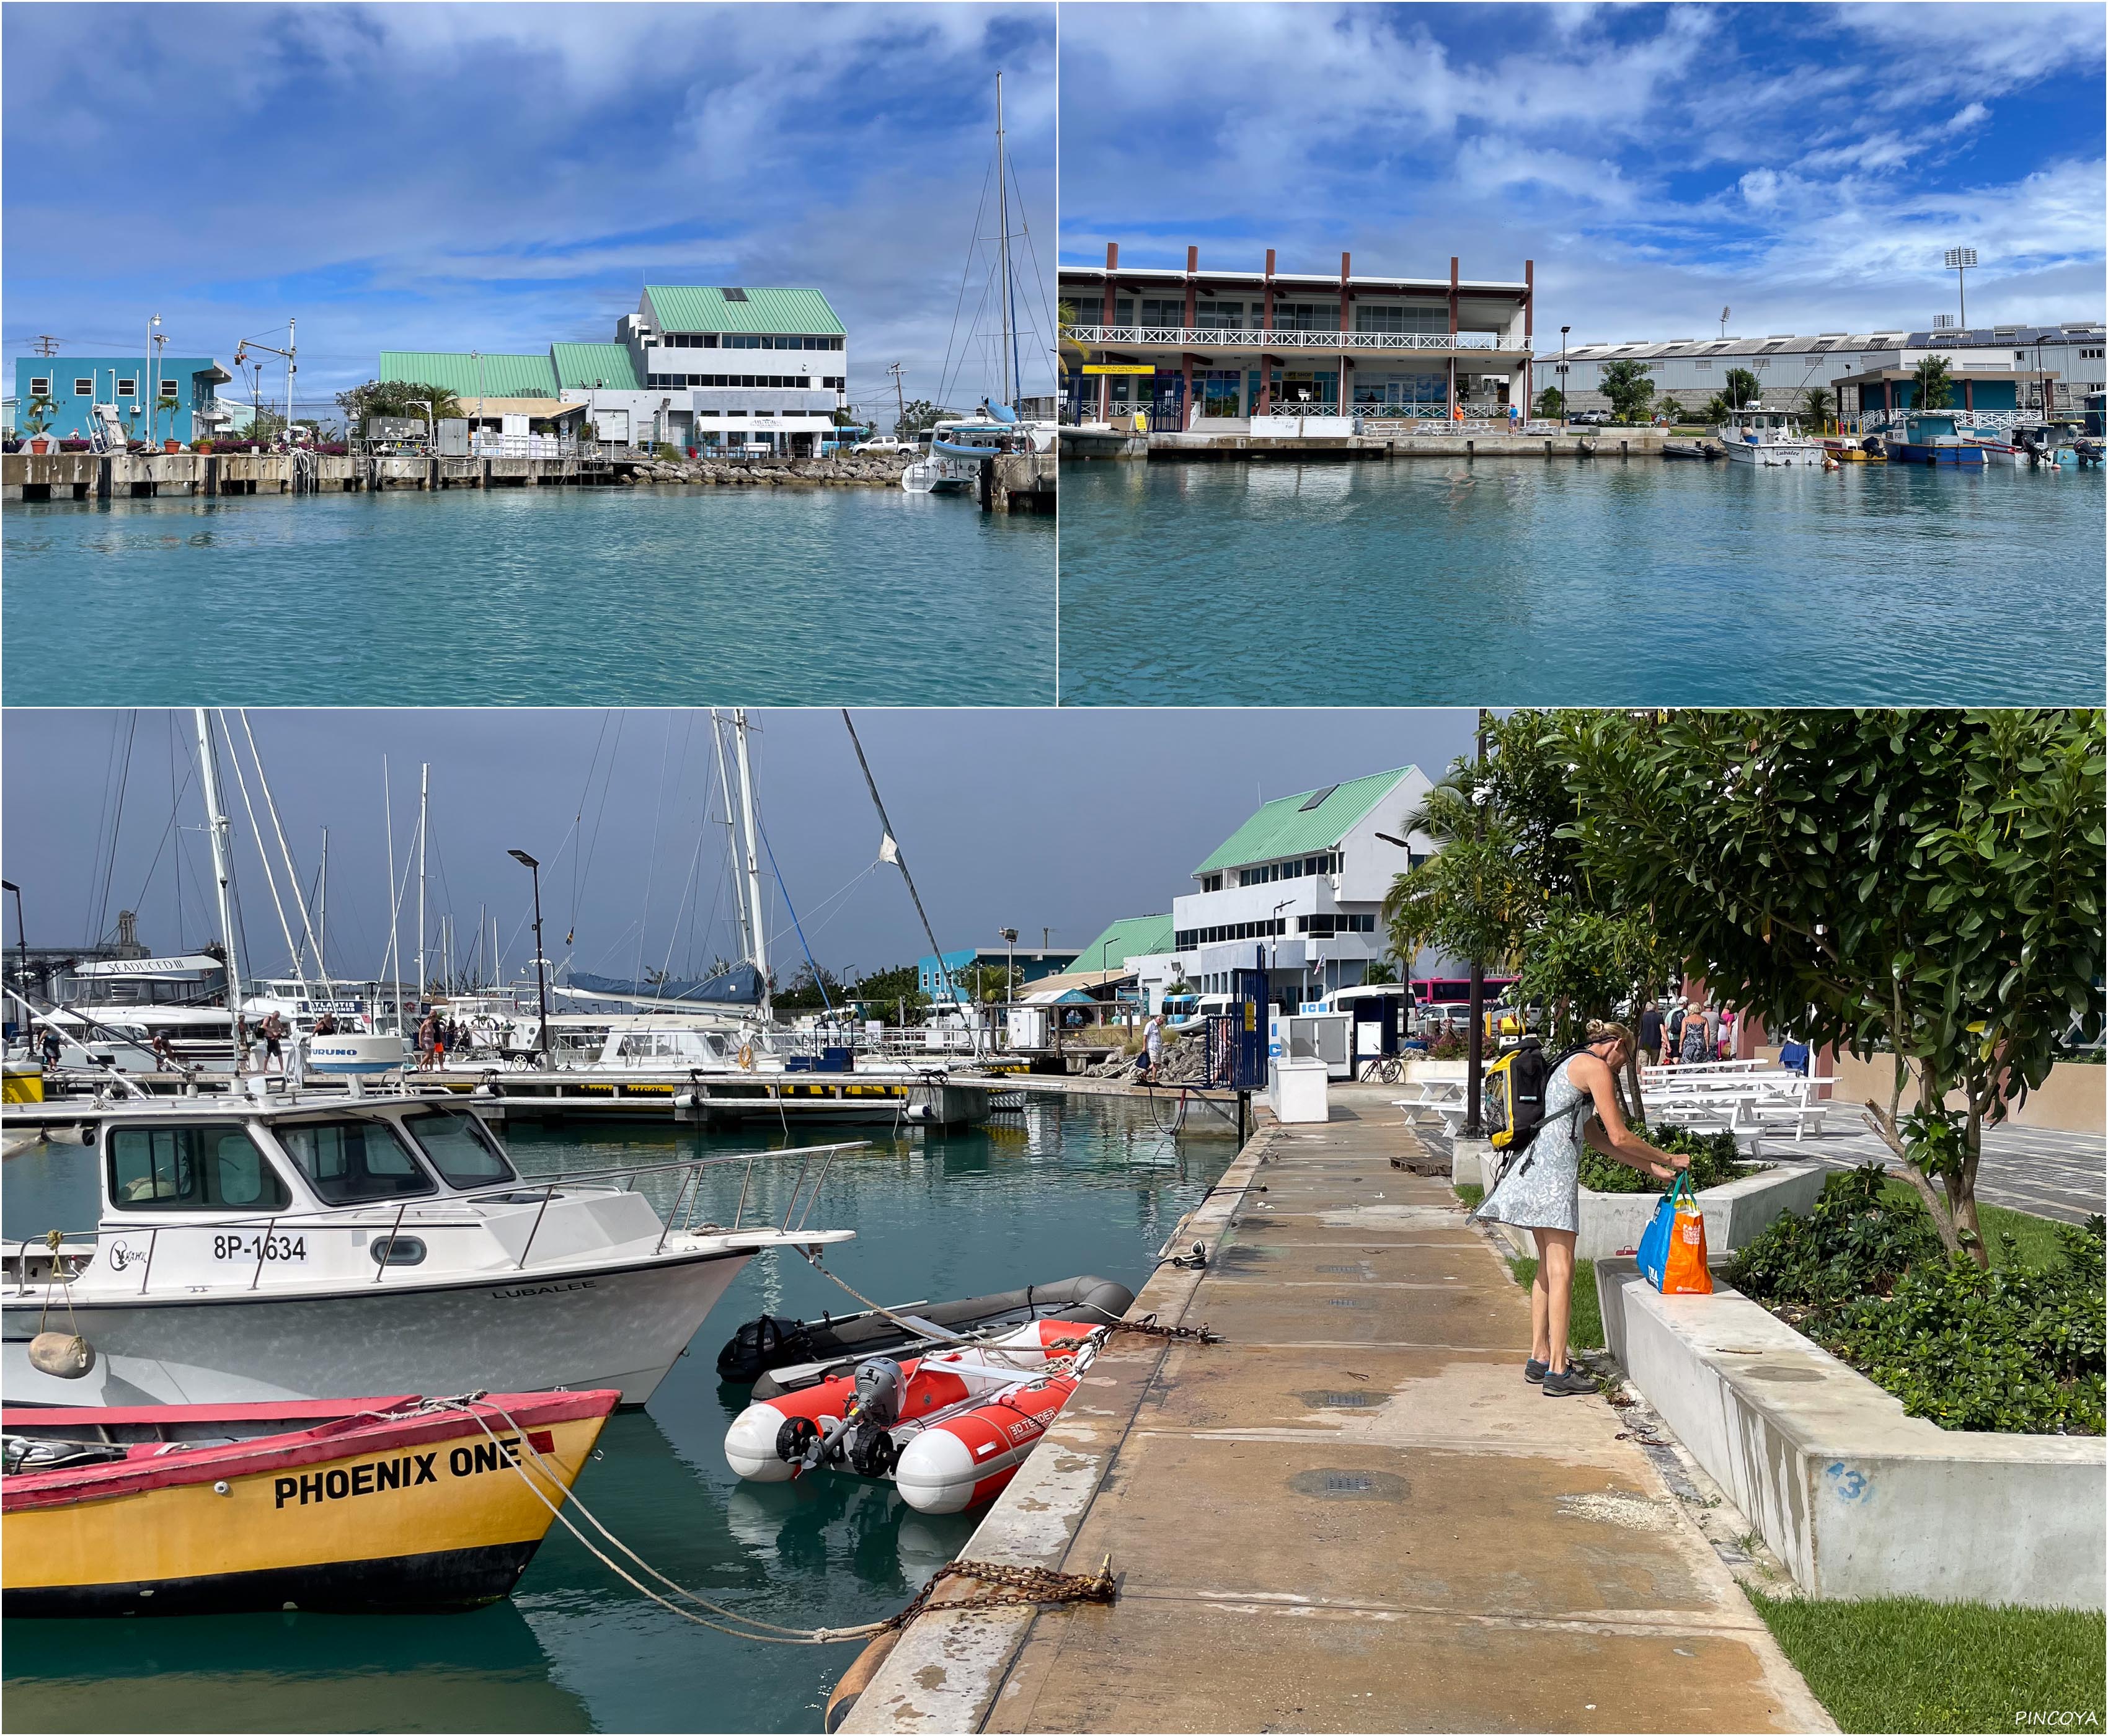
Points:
(1529, 1079)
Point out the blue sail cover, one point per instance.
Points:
(739, 986)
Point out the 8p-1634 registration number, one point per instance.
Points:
(261, 1248)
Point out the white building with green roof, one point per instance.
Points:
(700, 368)
(1299, 887)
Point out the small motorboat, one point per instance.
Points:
(783, 1356)
(354, 1504)
(1934, 437)
(949, 1430)
(1771, 440)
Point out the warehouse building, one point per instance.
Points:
(1213, 348)
(704, 369)
(1996, 369)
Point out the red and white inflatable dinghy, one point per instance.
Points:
(949, 1429)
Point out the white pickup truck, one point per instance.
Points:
(879, 442)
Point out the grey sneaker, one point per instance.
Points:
(1569, 1382)
(1534, 1371)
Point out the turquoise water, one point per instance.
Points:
(647, 596)
(1430, 581)
(1065, 1188)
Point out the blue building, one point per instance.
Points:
(63, 390)
(1033, 963)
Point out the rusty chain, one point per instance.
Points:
(1032, 1586)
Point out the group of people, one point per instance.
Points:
(1687, 1034)
(435, 1037)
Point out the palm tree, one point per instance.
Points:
(1817, 403)
(1935, 385)
(1070, 353)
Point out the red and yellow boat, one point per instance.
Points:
(386, 1503)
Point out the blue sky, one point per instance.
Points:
(1805, 165)
(440, 177)
(1116, 811)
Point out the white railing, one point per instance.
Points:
(483, 445)
(1235, 337)
(1873, 422)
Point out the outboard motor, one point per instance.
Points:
(860, 1439)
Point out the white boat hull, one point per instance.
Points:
(614, 1325)
(1777, 454)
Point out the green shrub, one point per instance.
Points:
(1714, 1158)
(2015, 1350)
(1859, 1241)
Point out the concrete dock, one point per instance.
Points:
(1375, 445)
(1354, 1514)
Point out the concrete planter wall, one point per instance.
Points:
(1735, 1213)
(2073, 1099)
(1857, 1498)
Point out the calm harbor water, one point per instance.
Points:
(1068, 1187)
(1517, 580)
(651, 596)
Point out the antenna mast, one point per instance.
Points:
(223, 874)
(753, 860)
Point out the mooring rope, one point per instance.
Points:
(1034, 1586)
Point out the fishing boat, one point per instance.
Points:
(1936, 437)
(948, 1430)
(782, 1355)
(1849, 449)
(1770, 439)
(297, 1245)
(355, 1504)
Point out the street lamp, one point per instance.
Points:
(21, 936)
(1009, 979)
(541, 964)
(1959, 259)
(1563, 330)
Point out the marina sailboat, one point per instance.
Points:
(960, 445)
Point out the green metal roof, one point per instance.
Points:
(795, 311)
(468, 376)
(1295, 826)
(589, 364)
(1128, 937)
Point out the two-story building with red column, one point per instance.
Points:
(1201, 347)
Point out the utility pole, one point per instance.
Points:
(1009, 985)
(47, 345)
(900, 396)
(753, 860)
(1475, 1044)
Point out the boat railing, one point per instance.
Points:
(1289, 337)
(805, 1194)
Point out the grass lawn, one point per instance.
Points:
(1905, 1664)
(1584, 1328)
(2035, 1238)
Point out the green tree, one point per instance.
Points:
(40, 414)
(395, 397)
(1924, 883)
(1551, 403)
(1470, 898)
(1069, 353)
(893, 992)
(919, 414)
(1628, 386)
(805, 993)
(1817, 403)
(1740, 389)
(1935, 385)
(1580, 964)
(1669, 407)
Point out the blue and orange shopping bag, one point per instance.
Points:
(1673, 1251)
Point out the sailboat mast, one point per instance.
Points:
(322, 914)
(732, 836)
(424, 800)
(223, 874)
(753, 860)
(394, 893)
(1002, 226)
(898, 858)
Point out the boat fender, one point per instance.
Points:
(66, 1355)
(857, 1677)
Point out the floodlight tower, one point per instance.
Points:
(1959, 259)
